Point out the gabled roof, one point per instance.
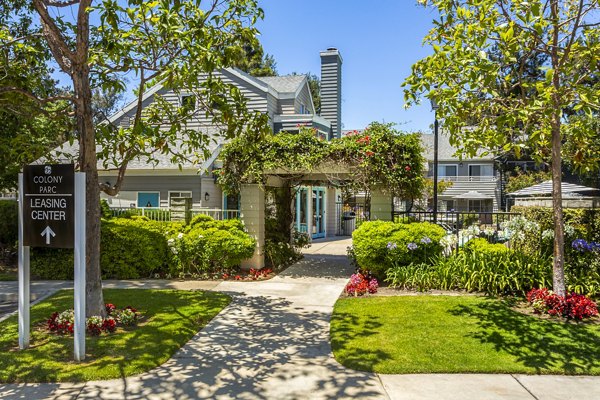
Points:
(545, 189)
(284, 84)
(70, 153)
(447, 152)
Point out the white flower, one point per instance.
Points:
(548, 234)
(180, 235)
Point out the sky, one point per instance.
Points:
(378, 40)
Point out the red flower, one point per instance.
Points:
(369, 153)
(407, 168)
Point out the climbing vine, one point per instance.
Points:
(379, 157)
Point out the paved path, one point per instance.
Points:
(272, 342)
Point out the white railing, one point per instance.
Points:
(166, 214)
(489, 178)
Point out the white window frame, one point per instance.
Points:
(170, 193)
(480, 165)
(137, 197)
(444, 166)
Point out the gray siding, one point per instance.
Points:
(304, 97)
(257, 101)
(162, 184)
(331, 89)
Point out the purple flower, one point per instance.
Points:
(425, 240)
(412, 246)
(391, 246)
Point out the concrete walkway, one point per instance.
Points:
(272, 342)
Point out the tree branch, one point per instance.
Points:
(56, 41)
(58, 3)
(31, 96)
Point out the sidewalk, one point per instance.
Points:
(272, 342)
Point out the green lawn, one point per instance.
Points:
(437, 334)
(169, 319)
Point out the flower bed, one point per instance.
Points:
(361, 283)
(63, 323)
(572, 306)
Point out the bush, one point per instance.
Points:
(132, 249)
(379, 245)
(585, 221)
(207, 246)
(9, 226)
(480, 245)
(129, 249)
(279, 253)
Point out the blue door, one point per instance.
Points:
(148, 199)
(302, 210)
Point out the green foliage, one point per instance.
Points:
(209, 246)
(9, 224)
(586, 222)
(379, 157)
(105, 209)
(279, 252)
(480, 245)
(129, 249)
(521, 180)
(379, 245)
(490, 271)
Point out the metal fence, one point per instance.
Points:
(349, 217)
(489, 224)
(167, 215)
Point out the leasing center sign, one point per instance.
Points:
(48, 206)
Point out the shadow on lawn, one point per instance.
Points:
(543, 345)
(347, 329)
(262, 348)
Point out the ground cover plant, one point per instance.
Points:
(170, 319)
(458, 334)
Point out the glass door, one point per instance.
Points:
(318, 198)
(302, 210)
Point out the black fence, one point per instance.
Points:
(349, 217)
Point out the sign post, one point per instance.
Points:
(52, 214)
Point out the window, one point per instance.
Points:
(481, 205)
(481, 170)
(188, 102)
(447, 170)
(148, 199)
(184, 194)
(448, 205)
(302, 109)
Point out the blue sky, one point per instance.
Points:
(378, 40)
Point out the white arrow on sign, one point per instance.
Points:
(47, 232)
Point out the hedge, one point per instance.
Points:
(129, 249)
(9, 222)
(378, 245)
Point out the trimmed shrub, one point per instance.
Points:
(132, 249)
(208, 246)
(129, 249)
(9, 225)
(379, 245)
(480, 245)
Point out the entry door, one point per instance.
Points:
(302, 210)
(318, 199)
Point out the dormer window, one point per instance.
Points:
(303, 109)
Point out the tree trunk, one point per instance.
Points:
(558, 265)
(88, 164)
(558, 270)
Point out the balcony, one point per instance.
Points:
(483, 178)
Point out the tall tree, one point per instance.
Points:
(179, 43)
(470, 85)
(28, 127)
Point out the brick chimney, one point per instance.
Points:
(331, 89)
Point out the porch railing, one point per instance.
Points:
(167, 215)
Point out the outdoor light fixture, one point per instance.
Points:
(434, 107)
(206, 196)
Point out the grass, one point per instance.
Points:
(169, 319)
(457, 334)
